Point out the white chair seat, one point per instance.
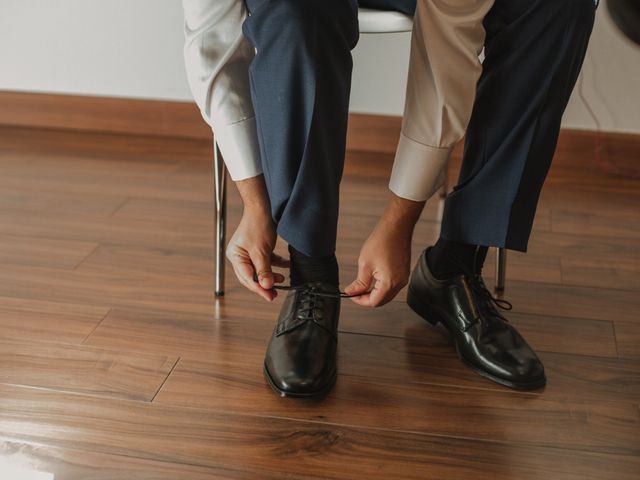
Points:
(383, 21)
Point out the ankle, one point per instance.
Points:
(305, 269)
(448, 259)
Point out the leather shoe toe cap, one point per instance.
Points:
(298, 381)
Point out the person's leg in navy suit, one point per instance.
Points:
(534, 51)
(300, 82)
(300, 85)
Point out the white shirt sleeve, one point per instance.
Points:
(444, 68)
(217, 58)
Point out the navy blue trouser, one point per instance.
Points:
(301, 78)
(300, 86)
(534, 50)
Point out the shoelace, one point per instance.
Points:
(313, 290)
(304, 288)
(310, 299)
(486, 301)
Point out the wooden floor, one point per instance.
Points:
(117, 363)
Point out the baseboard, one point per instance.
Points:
(102, 114)
(613, 153)
(376, 133)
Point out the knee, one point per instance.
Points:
(298, 20)
(289, 21)
(577, 7)
(583, 13)
(288, 14)
(579, 14)
(292, 12)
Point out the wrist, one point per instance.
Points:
(256, 210)
(401, 214)
(255, 200)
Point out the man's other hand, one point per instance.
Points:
(383, 264)
(385, 259)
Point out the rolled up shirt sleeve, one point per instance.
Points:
(217, 58)
(444, 68)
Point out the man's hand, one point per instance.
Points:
(385, 258)
(250, 249)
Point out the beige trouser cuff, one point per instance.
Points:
(418, 170)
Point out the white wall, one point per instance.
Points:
(123, 48)
(133, 48)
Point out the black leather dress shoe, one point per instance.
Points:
(301, 356)
(485, 341)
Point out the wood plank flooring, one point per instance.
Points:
(116, 362)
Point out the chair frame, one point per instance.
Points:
(220, 194)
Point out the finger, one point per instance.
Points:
(262, 265)
(244, 270)
(380, 293)
(372, 299)
(360, 284)
(277, 277)
(278, 261)
(362, 300)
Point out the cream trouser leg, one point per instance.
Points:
(444, 68)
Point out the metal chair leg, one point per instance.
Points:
(220, 192)
(501, 269)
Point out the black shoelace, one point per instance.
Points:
(487, 303)
(312, 289)
(310, 301)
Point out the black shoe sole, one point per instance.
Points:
(288, 394)
(432, 316)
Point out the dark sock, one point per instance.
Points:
(305, 269)
(448, 259)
